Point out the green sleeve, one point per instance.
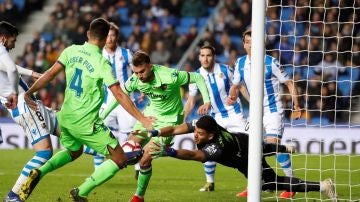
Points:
(130, 85)
(107, 74)
(200, 82)
(111, 106)
(63, 58)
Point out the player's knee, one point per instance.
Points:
(45, 154)
(146, 159)
(76, 154)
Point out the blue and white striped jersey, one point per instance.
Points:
(274, 75)
(120, 63)
(218, 84)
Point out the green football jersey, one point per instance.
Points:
(86, 71)
(163, 92)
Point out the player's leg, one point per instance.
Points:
(274, 127)
(105, 143)
(236, 123)
(73, 151)
(36, 129)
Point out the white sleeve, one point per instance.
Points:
(12, 72)
(193, 89)
(279, 71)
(236, 77)
(24, 71)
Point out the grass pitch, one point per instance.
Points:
(177, 180)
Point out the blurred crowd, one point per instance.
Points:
(317, 43)
(15, 11)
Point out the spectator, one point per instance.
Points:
(160, 55)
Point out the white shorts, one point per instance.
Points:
(273, 124)
(235, 123)
(120, 120)
(36, 124)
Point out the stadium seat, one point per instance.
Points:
(202, 22)
(187, 22)
(236, 40)
(320, 121)
(182, 30)
(126, 30)
(123, 12)
(298, 122)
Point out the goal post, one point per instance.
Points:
(317, 43)
(256, 103)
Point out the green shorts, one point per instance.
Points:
(99, 139)
(157, 125)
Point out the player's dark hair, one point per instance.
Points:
(115, 28)
(246, 33)
(210, 47)
(140, 58)
(209, 124)
(99, 28)
(7, 29)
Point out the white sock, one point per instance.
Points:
(209, 168)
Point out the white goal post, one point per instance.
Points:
(318, 44)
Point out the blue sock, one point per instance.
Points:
(285, 163)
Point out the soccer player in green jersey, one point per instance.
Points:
(162, 86)
(86, 71)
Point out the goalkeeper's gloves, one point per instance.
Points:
(154, 133)
(159, 149)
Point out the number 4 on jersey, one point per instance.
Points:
(76, 81)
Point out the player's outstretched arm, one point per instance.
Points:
(200, 82)
(189, 105)
(49, 75)
(129, 106)
(158, 149)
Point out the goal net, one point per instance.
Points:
(318, 44)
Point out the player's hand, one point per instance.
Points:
(204, 109)
(35, 75)
(297, 112)
(12, 101)
(30, 102)
(230, 100)
(159, 149)
(147, 122)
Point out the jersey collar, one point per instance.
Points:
(92, 47)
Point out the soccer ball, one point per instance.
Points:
(130, 146)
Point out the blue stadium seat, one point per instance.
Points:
(123, 12)
(187, 21)
(182, 30)
(236, 40)
(221, 59)
(298, 122)
(320, 120)
(145, 2)
(20, 4)
(202, 22)
(126, 30)
(344, 84)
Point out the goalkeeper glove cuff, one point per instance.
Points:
(154, 133)
(171, 152)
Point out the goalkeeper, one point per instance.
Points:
(217, 144)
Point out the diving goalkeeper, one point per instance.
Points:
(214, 143)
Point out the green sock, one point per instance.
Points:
(143, 181)
(58, 160)
(102, 174)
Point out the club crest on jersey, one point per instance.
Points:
(211, 149)
(174, 74)
(221, 75)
